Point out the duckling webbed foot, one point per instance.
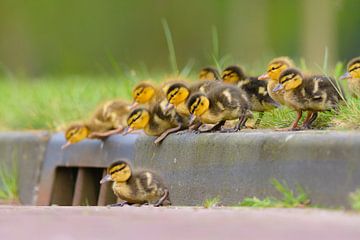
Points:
(164, 197)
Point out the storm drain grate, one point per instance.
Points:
(72, 177)
(81, 187)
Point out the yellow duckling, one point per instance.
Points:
(108, 119)
(154, 122)
(142, 187)
(312, 94)
(275, 67)
(260, 100)
(353, 76)
(179, 92)
(209, 73)
(146, 93)
(224, 102)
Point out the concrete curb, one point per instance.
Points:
(234, 166)
(197, 167)
(26, 150)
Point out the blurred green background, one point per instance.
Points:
(62, 37)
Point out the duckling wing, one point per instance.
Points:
(321, 92)
(227, 97)
(149, 185)
(257, 91)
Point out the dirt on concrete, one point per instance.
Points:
(63, 223)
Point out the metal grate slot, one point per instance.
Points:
(64, 185)
(87, 187)
(81, 187)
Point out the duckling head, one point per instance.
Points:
(177, 93)
(275, 67)
(197, 105)
(209, 73)
(233, 75)
(138, 119)
(75, 133)
(353, 69)
(118, 171)
(289, 79)
(142, 93)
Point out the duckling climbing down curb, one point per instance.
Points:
(142, 187)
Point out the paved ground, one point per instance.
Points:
(63, 223)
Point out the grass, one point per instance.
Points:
(49, 103)
(289, 198)
(354, 199)
(212, 202)
(8, 183)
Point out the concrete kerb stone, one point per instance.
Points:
(197, 167)
(25, 151)
(234, 166)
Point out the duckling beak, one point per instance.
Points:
(65, 145)
(127, 130)
(278, 87)
(168, 107)
(134, 105)
(105, 179)
(192, 119)
(264, 76)
(345, 76)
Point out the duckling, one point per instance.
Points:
(108, 119)
(312, 94)
(178, 93)
(154, 122)
(353, 76)
(260, 100)
(275, 67)
(209, 73)
(141, 187)
(224, 102)
(146, 93)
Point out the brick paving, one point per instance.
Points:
(68, 223)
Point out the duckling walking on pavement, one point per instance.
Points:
(136, 187)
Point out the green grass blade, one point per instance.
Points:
(171, 47)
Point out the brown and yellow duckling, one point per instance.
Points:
(179, 92)
(274, 69)
(146, 93)
(136, 187)
(260, 100)
(154, 122)
(313, 94)
(353, 76)
(108, 119)
(222, 103)
(209, 73)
